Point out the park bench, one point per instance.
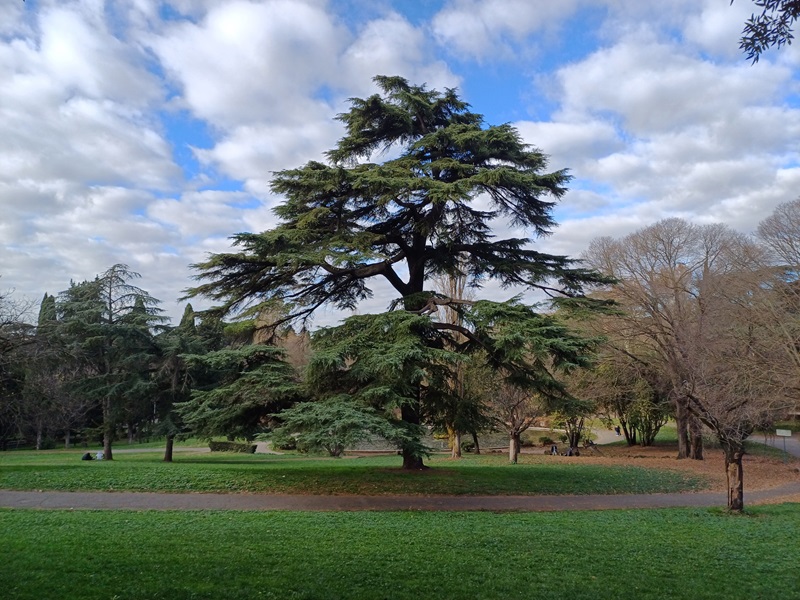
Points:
(13, 444)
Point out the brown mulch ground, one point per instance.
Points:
(760, 472)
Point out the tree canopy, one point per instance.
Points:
(428, 211)
(107, 326)
(431, 208)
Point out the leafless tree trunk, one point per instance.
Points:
(682, 417)
(514, 446)
(735, 475)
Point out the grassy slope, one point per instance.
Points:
(489, 474)
(681, 553)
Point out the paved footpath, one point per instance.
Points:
(268, 502)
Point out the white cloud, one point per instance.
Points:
(392, 46)
(249, 62)
(254, 151)
(718, 26)
(571, 144)
(483, 29)
(652, 87)
(662, 118)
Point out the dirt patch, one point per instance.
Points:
(760, 472)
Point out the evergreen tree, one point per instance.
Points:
(427, 212)
(172, 376)
(108, 324)
(236, 389)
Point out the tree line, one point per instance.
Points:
(675, 320)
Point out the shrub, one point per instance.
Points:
(232, 447)
(283, 441)
(467, 446)
(546, 440)
(48, 444)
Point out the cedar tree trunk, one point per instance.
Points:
(411, 458)
(168, 449)
(108, 429)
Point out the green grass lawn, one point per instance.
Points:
(228, 472)
(676, 553)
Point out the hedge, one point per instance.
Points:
(232, 447)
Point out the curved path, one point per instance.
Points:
(790, 445)
(267, 502)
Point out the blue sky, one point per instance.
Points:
(145, 132)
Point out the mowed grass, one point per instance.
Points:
(374, 475)
(671, 553)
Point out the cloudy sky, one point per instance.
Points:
(146, 132)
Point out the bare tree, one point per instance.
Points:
(697, 295)
(462, 403)
(734, 386)
(781, 233)
(15, 334)
(779, 293)
(514, 410)
(661, 271)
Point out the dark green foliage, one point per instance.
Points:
(172, 377)
(389, 362)
(107, 329)
(236, 389)
(47, 312)
(232, 447)
(280, 439)
(405, 220)
(334, 425)
(345, 223)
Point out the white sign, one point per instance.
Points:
(783, 432)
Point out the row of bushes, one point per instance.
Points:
(232, 447)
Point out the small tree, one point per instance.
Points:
(627, 391)
(333, 425)
(515, 410)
